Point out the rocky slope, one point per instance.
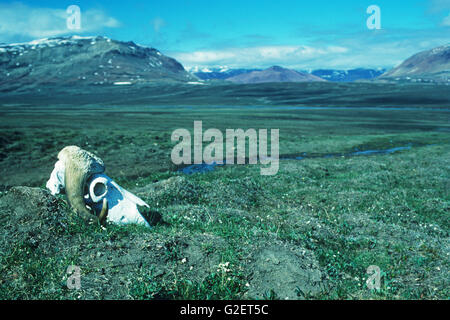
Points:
(74, 61)
(426, 66)
(274, 74)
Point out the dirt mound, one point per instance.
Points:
(284, 271)
(30, 214)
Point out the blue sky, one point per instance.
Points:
(247, 33)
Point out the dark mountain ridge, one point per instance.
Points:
(84, 61)
(274, 74)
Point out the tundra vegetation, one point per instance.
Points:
(308, 232)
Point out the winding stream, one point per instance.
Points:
(204, 167)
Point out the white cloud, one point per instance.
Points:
(20, 22)
(256, 56)
(383, 49)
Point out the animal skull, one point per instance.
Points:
(80, 174)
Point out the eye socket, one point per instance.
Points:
(99, 189)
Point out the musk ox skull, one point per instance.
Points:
(92, 193)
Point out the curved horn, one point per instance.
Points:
(79, 166)
(104, 213)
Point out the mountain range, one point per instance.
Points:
(220, 73)
(431, 66)
(348, 75)
(99, 61)
(333, 75)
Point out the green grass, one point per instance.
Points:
(346, 212)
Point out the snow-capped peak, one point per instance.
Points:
(224, 69)
(48, 42)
